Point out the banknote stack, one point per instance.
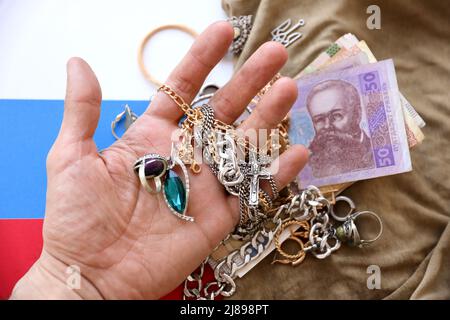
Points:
(354, 120)
(352, 117)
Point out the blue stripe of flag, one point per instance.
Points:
(27, 131)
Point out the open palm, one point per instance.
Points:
(125, 241)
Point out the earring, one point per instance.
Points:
(130, 118)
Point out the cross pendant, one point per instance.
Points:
(257, 172)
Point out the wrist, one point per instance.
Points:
(50, 278)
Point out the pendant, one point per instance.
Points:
(285, 34)
(153, 167)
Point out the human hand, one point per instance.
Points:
(125, 241)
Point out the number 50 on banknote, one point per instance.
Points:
(352, 122)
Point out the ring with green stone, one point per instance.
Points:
(155, 167)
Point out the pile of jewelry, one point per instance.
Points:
(366, 145)
(265, 220)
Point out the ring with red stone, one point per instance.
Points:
(151, 166)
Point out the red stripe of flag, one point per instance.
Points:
(20, 247)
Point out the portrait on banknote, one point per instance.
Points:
(351, 121)
(334, 107)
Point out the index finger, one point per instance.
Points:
(187, 78)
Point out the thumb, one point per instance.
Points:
(82, 103)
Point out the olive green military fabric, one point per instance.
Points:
(414, 252)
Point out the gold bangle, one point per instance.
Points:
(144, 42)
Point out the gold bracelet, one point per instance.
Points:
(144, 42)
